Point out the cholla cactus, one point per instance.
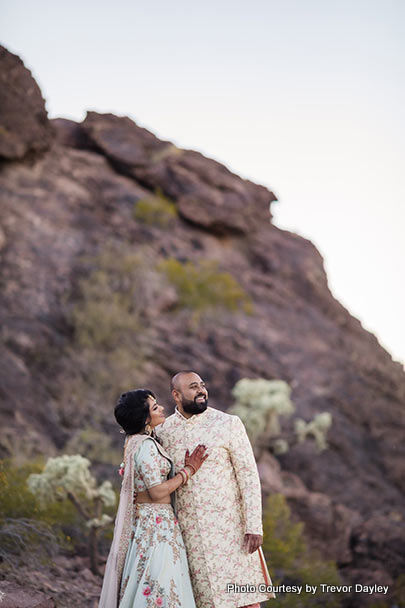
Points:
(99, 522)
(68, 477)
(280, 446)
(318, 427)
(260, 403)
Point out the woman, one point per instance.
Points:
(147, 564)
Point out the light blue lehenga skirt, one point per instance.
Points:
(156, 573)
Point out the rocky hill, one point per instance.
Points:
(69, 197)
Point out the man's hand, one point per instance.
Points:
(252, 542)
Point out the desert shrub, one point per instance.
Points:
(49, 508)
(15, 499)
(24, 524)
(204, 287)
(290, 560)
(108, 312)
(260, 403)
(69, 478)
(155, 210)
(111, 298)
(27, 541)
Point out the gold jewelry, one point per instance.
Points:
(148, 429)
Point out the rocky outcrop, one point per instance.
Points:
(24, 125)
(207, 194)
(79, 195)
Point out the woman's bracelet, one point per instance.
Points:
(185, 476)
(192, 467)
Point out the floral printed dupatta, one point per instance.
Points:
(113, 571)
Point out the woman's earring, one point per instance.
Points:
(148, 428)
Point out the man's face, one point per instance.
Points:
(193, 394)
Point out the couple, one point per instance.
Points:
(198, 466)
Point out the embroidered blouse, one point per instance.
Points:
(151, 467)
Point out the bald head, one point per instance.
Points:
(175, 382)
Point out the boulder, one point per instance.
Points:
(207, 194)
(24, 125)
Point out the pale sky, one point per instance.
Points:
(304, 97)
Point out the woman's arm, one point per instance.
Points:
(192, 464)
(163, 490)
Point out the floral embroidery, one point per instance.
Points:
(144, 550)
(151, 468)
(124, 585)
(174, 600)
(140, 567)
(223, 501)
(153, 535)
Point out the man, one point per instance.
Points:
(219, 509)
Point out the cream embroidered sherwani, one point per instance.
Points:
(218, 506)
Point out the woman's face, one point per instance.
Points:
(156, 412)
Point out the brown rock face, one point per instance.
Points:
(80, 195)
(24, 124)
(70, 133)
(207, 193)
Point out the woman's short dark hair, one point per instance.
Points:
(132, 410)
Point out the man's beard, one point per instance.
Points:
(192, 407)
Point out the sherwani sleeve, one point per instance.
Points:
(247, 476)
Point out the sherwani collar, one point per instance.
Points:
(193, 419)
